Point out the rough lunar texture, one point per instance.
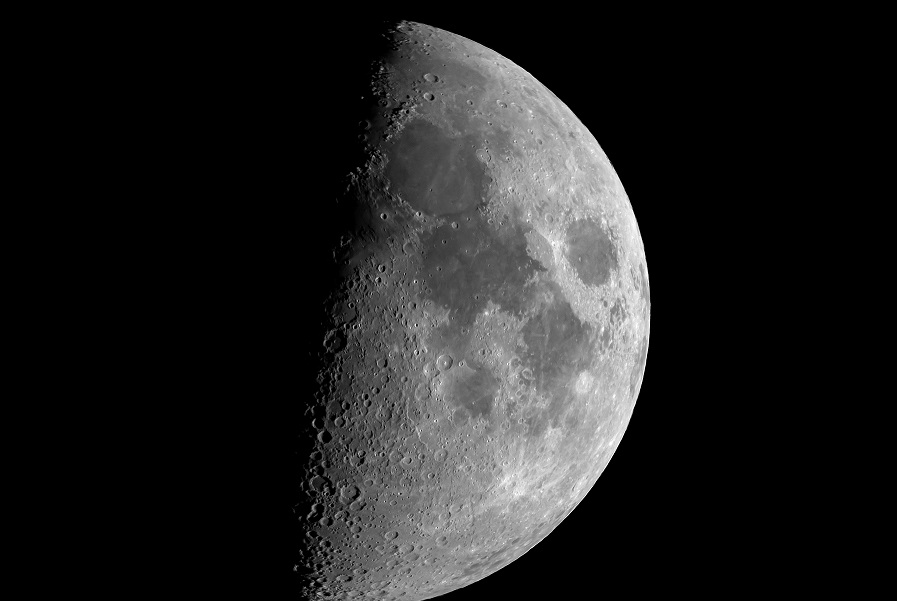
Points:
(487, 340)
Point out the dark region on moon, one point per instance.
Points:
(591, 251)
(467, 267)
(435, 173)
(482, 331)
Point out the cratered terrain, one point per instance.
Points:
(483, 338)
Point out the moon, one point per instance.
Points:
(485, 330)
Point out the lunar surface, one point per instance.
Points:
(484, 340)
